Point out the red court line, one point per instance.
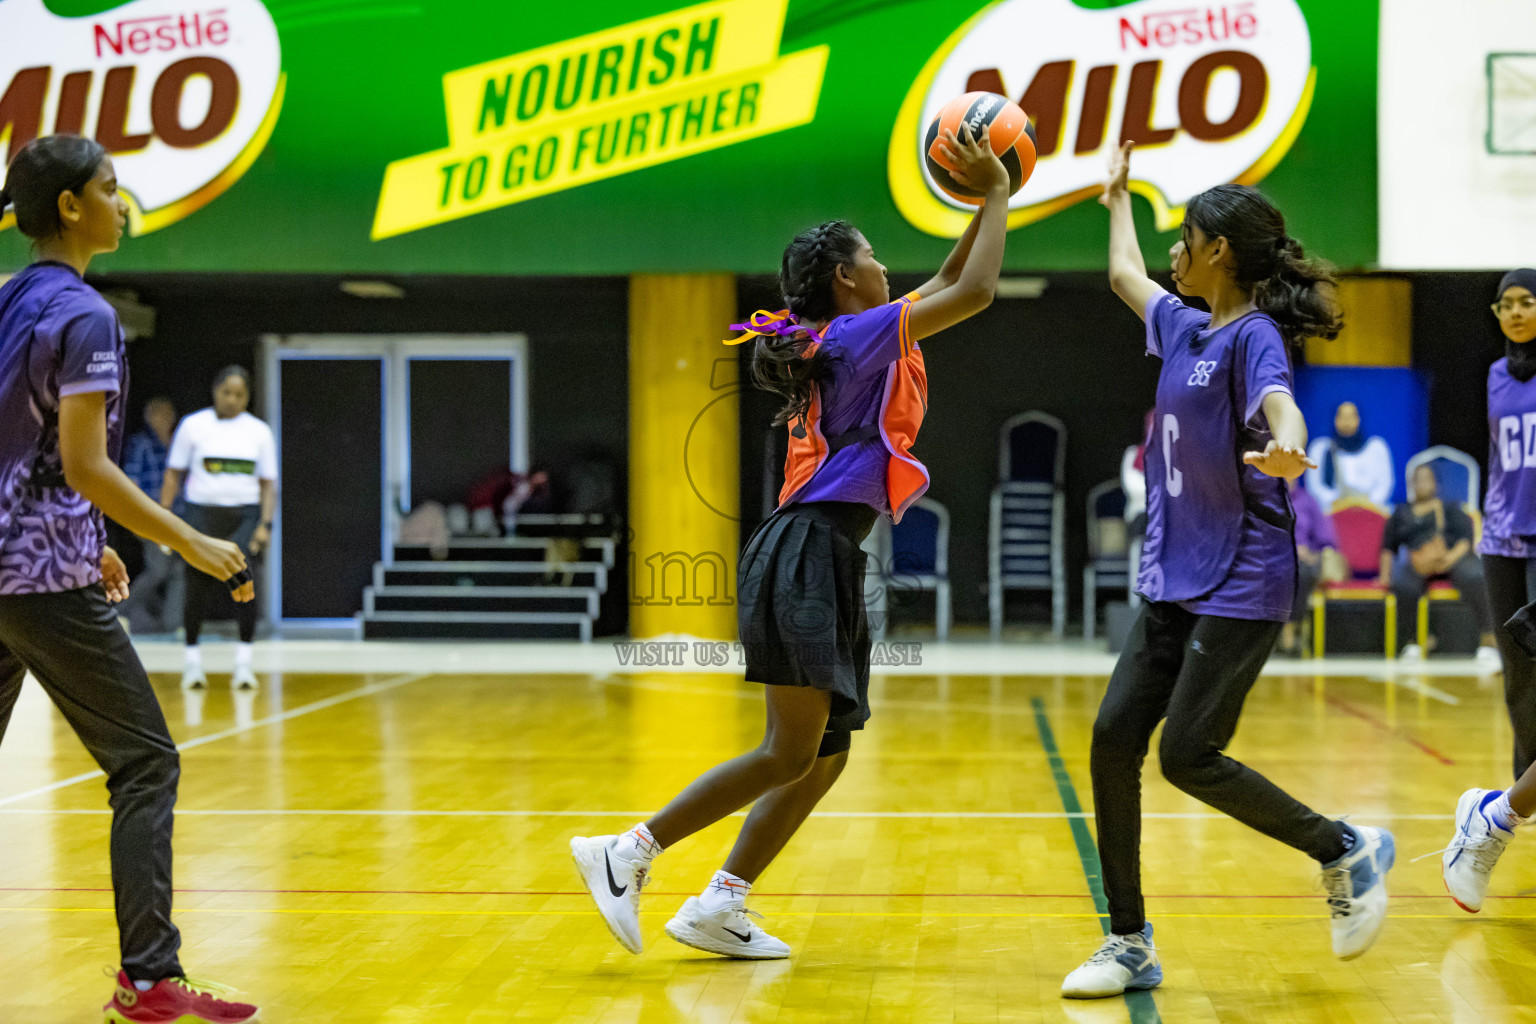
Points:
(824, 895)
(1366, 716)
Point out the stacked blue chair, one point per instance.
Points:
(1456, 472)
(911, 556)
(1025, 540)
(920, 557)
(1108, 557)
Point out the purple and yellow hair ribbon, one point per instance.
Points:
(763, 324)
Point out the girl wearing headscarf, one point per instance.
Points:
(1350, 463)
(1486, 818)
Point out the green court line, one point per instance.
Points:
(1140, 1003)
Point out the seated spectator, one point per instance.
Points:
(1438, 539)
(1317, 560)
(1350, 464)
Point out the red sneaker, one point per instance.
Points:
(174, 1001)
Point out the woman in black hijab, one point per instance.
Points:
(1508, 546)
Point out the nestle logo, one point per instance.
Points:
(1190, 26)
(162, 32)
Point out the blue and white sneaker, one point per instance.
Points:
(1474, 850)
(1357, 890)
(1124, 961)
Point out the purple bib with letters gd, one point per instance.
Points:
(1509, 523)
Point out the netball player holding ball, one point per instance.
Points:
(846, 362)
(1218, 570)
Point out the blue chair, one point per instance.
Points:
(912, 555)
(1456, 472)
(1025, 536)
(1109, 562)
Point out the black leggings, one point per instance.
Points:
(235, 523)
(1466, 575)
(74, 646)
(1511, 586)
(1195, 670)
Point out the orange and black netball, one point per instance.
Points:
(1012, 137)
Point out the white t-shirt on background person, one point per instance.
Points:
(224, 460)
(1368, 471)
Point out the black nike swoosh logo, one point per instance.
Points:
(744, 938)
(613, 885)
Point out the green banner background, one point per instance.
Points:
(365, 88)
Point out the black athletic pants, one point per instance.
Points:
(74, 646)
(1195, 670)
(1511, 586)
(235, 523)
(1467, 577)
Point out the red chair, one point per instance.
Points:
(1359, 525)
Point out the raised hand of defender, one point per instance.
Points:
(1282, 460)
(1119, 173)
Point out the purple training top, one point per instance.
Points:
(1314, 529)
(862, 348)
(1219, 539)
(58, 337)
(1509, 516)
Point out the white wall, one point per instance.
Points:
(1446, 203)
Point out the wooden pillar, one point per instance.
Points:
(684, 459)
(1378, 325)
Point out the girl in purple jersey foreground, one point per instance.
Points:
(1486, 818)
(845, 360)
(1218, 569)
(63, 384)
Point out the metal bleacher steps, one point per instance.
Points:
(495, 588)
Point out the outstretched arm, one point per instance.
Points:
(1127, 270)
(88, 470)
(1286, 453)
(973, 288)
(949, 273)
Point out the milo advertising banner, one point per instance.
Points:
(619, 136)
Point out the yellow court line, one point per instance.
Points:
(802, 913)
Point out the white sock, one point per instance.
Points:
(637, 844)
(194, 657)
(1499, 813)
(723, 890)
(243, 654)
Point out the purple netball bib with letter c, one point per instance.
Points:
(1209, 398)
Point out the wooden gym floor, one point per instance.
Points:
(392, 848)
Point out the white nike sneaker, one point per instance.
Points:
(615, 885)
(192, 678)
(728, 931)
(1412, 652)
(1474, 850)
(1489, 659)
(1357, 890)
(1124, 961)
(243, 679)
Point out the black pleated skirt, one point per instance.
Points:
(801, 611)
